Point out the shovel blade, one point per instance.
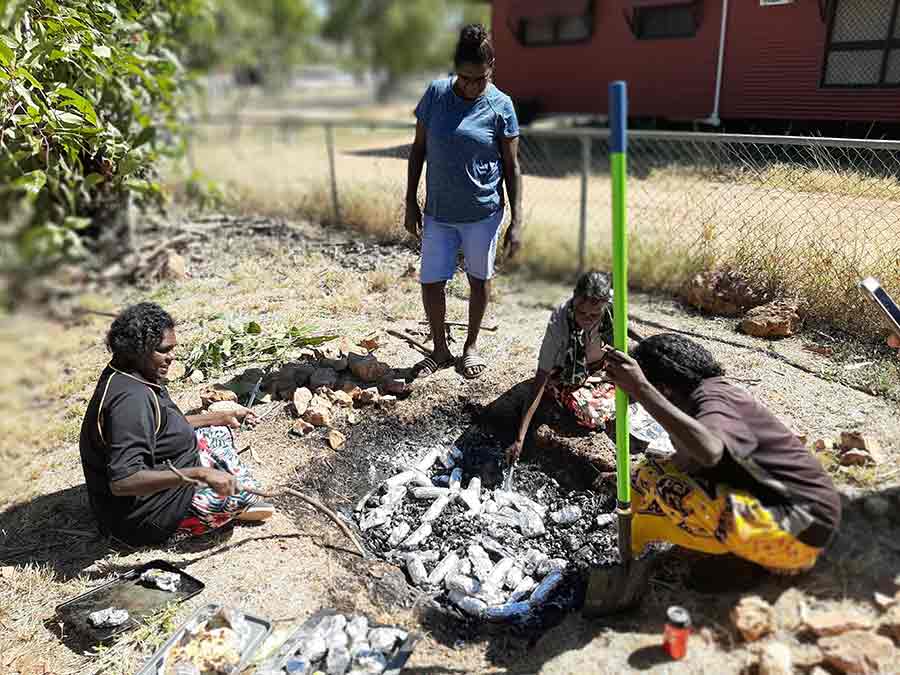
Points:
(617, 588)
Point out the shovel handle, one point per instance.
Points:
(618, 148)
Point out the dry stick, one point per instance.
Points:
(489, 329)
(766, 352)
(316, 504)
(412, 341)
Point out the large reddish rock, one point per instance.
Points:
(860, 652)
(367, 368)
(723, 293)
(216, 394)
(837, 621)
(775, 319)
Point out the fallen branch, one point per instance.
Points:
(315, 503)
(412, 341)
(489, 329)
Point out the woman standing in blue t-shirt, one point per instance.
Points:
(467, 130)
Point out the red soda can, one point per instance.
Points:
(678, 628)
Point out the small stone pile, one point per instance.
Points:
(788, 636)
(853, 449)
(493, 554)
(322, 387)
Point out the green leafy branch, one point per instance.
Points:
(246, 344)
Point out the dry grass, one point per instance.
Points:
(804, 232)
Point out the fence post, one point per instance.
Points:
(582, 231)
(329, 141)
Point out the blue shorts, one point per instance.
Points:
(442, 241)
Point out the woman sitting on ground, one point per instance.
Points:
(740, 482)
(133, 434)
(574, 344)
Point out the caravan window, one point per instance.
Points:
(664, 21)
(863, 47)
(559, 23)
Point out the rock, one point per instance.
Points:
(819, 671)
(174, 267)
(877, 507)
(886, 601)
(890, 622)
(753, 617)
(853, 440)
(823, 444)
(368, 396)
(857, 458)
(319, 412)
(302, 428)
(302, 398)
(353, 418)
(336, 439)
(859, 651)
(367, 368)
(775, 319)
(775, 659)
(337, 365)
(197, 377)
(392, 385)
(323, 377)
(216, 394)
(351, 388)
(387, 400)
(176, 371)
(286, 381)
(806, 656)
(226, 407)
(342, 399)
(723, 293)
(789, 609)
(836, 622)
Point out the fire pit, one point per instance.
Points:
(491, 554)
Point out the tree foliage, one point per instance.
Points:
(400, 37)
(269, 35)
(90, 94)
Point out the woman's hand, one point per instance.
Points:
(894, 341)
(233, 418)
(412, 221)
(513, 452)
(625, 373)
(222, 482)
(512, 240)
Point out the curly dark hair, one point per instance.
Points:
(594, 285)
(676, 361)
(474, 46)
(138, 331)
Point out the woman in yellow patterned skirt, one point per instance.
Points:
(740, 482)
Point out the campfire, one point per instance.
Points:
(490, 553)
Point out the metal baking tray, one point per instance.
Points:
(125, 592)
(259, 630)
(288, 648)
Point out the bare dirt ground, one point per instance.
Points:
(298, 562)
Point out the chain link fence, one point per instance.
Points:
(802, 217)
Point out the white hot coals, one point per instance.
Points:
(494, 555)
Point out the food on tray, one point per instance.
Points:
(164, 581)
(211, 647)
(108, 618)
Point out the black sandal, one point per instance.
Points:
(428, 366)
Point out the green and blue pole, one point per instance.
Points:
(618, 159)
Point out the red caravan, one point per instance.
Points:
(768, 60)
